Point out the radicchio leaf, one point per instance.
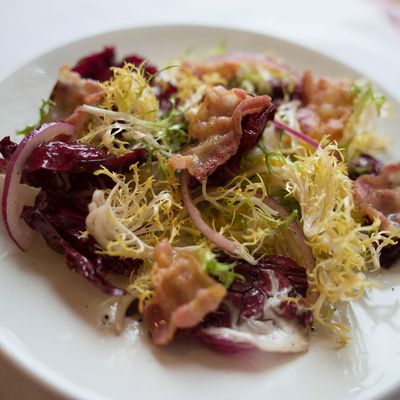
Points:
(136, 60)
(64, 172)
(76, 157)
(164, 95)
(256, 312)
(7, 148)
(281, 88)
(252, 128)
(364, 164)
(390, 255)
(97, 66)
(61, 227)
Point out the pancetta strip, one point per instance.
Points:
(217, 129)
(184, 293)
(378, 196)
(70, 92)
(328, 105)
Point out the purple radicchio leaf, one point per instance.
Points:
(257, 312)
(64, 172)
(97, 65)
(61, 227)
(390, 255)
(364, 164)
(7, 148)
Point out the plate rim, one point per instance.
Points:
(27, 364)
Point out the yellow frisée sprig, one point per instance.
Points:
(190, 86)
(130, 116)
(343, 248)
(128, 91)
(360, 133)
(238, 212)
(143, 208)
(166, 134)
(257, 78)
(130, 219)
(366, 142)
(141, 286)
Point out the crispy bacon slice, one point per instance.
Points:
(378, 196)
(328, 105)
(217, 129)
(70, 92)
(184, 293)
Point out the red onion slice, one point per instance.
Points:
(297, 134)
(298, 242)
(221, 241)
(12, 221)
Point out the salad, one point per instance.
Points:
(228, 197)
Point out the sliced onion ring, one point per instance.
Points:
(297, 134)
(12, 221)
(221, 241)
(229, 246)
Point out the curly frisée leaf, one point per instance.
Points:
(360, 131)
(130, 219)
(121, 132)
(239, 212)
(141, 287)
(344, 249)
(130, 116)
(129, 91)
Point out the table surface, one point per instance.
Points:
(360, 33)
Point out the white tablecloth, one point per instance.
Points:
(357, 32)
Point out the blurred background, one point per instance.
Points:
(362, 33)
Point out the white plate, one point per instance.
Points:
(49, 315)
